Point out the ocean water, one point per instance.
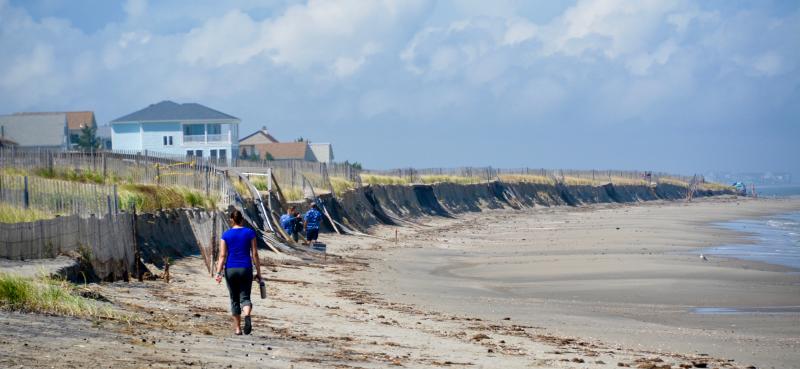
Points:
(776, 240)
(792, 190)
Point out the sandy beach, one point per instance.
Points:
(566, 287)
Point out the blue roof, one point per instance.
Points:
(169, 110)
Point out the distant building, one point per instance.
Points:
(36, 130)
(182, 129)
(103, 135)
(247, 145)
(322, 151)
(76, 120)
(280, 151)
(6, 143)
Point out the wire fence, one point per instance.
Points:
(123, 167)
(484, 174)
(59, 197)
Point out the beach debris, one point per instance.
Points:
(577, 360)
(703, 257)
(480, 336)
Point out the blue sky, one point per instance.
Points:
(680, 86)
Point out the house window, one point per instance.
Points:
(189, 152)
(170, 140)
(213, 154)
(198, 153)
(194, 133)
(167, 140)
(222, 154)
(214, 132)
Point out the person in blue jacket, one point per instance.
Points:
(313, 219)
(287, 222)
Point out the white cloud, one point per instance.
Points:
(768, 64)
(339, 35)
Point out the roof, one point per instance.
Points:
(263, 133)
(4, 142)
(75, 119)
(78, 119)
(284, 150)
(36, 130)
(169, 110)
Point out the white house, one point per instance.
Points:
(181, 129)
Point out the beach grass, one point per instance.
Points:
(13, 214)
(153, 197)
(293, 193)
(341, 185)
(48, 296)
(526, 178)
(441, 178)
(378, 179)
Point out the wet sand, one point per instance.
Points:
(626, 275)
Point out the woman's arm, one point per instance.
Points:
(254, 247)
(223, 254)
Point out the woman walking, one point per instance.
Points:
(237, 254)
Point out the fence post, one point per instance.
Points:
(104, 164)
(26, 195)
(136, 254)
(108, 203)
(116, 200)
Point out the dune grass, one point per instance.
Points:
(152, 197)
(441, 178)
(13, 214)
(713, 186)
(525, 178)
(48, 296)
(341, 185)
(377, 179)
(293, 193)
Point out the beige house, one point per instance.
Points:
(322, 151)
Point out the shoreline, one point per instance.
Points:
(505, 293)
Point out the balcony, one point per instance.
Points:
(189, 139)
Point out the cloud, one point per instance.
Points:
(338, 35)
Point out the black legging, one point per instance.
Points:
(239, 282)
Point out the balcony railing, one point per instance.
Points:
(217, 138)
(205, 139)
(194, 138)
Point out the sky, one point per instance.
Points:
(676, 86)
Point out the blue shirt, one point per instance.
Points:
(238, 241)
(313, 218)
(287, 222)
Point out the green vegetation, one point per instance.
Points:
(48, 296)
(152, 197)
(69, 174)
(430, 179)
(377, 179)
(715, 186)
(341, 185)
(88, 139)
(293, 193)
(525, 178)
(12, 214)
